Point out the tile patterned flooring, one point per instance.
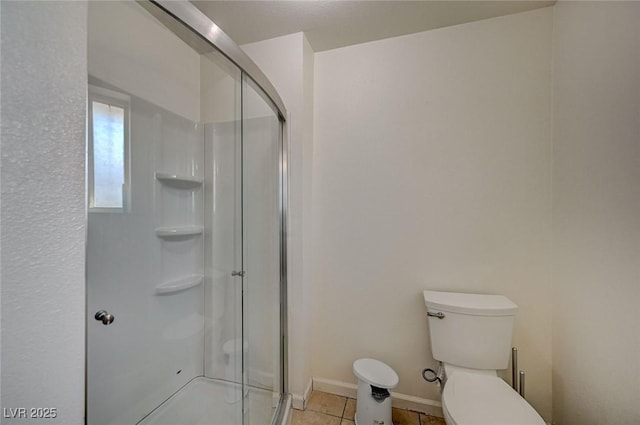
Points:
(330, 409)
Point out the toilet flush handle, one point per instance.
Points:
(439, 315)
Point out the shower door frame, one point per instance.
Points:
(202, 25)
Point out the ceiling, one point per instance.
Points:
(338, 23)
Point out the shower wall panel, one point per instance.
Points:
(155, 344)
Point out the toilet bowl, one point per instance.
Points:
(482, 399)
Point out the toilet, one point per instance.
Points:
(471, 338)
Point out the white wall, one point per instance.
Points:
(44, 83)
(596, 213)
(432, 171)
(288, 63)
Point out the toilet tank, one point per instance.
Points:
(470, 330)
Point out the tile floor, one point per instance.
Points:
(330, 409)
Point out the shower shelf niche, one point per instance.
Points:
(178, 232)
(179, 284)
(179, 182)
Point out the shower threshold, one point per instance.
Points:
(205, 401)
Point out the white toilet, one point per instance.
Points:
(471, 338)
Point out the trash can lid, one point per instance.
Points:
(375, 373)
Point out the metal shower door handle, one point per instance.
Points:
(104, 317)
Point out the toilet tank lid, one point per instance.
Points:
(475, 304)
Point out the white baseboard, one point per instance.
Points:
(417, 404)
(307, 391)
(299, 401)
(343, 389)
(398, 400)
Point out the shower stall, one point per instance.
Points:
(186, 244)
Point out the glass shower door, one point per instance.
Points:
(224, 344)
(184, 264)
(261, 208)
(160, 305)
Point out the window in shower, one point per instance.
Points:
(108, 150)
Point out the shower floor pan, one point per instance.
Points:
(205, 401)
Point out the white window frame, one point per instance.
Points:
(119, 100)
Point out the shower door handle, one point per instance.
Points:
(104, 317)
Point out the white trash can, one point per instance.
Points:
(375, 379)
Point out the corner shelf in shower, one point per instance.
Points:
(178, 232)
(179, 284)
(179, 182)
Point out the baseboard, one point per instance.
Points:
(399, 400)
(299, 401)
(307, 391)
(343, 389)
(417, 404)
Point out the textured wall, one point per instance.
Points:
(432, 171)
(596, 213)
(44, 82)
